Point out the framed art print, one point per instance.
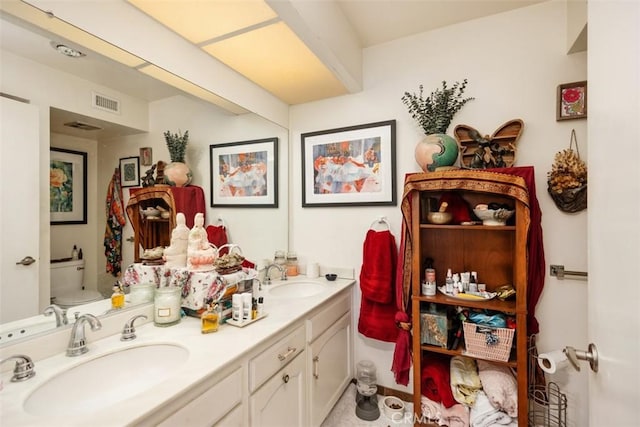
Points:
(130, 172)
(571, 101)
(350, 166)
(245, 173)
(67, 186)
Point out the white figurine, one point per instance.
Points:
(175, 255)
(200, 253)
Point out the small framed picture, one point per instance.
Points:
(572, 101)
(130, 171)
(146, 158)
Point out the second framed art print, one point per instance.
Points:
(350, 166)
(245, 173)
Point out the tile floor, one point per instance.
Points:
(344, 413)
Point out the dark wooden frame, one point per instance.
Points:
(560, 104)
(125, 162)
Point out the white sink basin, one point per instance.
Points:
(106, 380)
(296, 289)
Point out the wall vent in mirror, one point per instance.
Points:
(105, 103)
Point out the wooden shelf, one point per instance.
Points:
(497, 253)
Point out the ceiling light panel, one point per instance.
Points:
(276, 59)
(199, 21)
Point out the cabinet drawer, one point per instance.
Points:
(275, 357)
(210, 406)
(320, 322)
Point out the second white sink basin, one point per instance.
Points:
(297, 289)
(106, 380)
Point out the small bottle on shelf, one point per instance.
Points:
(74, 252)
(449, 282)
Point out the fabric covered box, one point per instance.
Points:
(434, 327)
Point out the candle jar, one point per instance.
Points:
(167, 303)
(141, 293)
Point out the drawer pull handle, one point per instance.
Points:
(290, 351)
(285, 378)
(316, 362)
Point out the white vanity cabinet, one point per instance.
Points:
(277, 382)
(220, 403)
(329, 357)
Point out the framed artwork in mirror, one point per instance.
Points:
(130, 171)
(146, 156)
(245, 173)
(350, 166)
(571, 101)
(67, 186)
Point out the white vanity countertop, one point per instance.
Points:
(208, 354)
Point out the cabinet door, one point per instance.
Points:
(331, 368)
(232, 419)
(281, 400)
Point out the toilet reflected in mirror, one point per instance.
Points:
(67, 286)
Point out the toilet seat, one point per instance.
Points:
(79, 297)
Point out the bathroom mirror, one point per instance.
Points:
(259, 235)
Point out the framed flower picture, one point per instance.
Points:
(67, 186)
(572, 101)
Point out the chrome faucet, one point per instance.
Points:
(129, 331)
(77, 342)
(281, 269)
(23, 369)
(61, 314)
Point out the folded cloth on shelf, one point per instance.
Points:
(465, 382)
(500, 386)
(483, 414)
(436, 379)
(430, 409)
(377, 282)
(456, 416)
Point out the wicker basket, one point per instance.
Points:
(475, 338)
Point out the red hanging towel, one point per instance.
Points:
(377, 283)
(217, 234)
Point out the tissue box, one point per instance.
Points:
(434, 327)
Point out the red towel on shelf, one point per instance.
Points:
(377, 283)
(436, 380)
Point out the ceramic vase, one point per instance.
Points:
(435, 151)
(177, 174)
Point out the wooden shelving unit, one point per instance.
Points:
(497, 253)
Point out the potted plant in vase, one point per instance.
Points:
(434, 114)
(177, 173)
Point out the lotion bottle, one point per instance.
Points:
(210, 319)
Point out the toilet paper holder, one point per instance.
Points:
(591, 355)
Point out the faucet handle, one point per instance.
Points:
(129, 331)
(24, 368)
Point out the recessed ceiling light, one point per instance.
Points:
(66, 50)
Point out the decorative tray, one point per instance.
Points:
(246, 322)
(469, 296)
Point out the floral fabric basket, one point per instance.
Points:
(488, 342)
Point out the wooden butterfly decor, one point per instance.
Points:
(495, 151)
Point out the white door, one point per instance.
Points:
(19, 210)
(614, 211)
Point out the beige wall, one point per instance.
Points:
(513, 61)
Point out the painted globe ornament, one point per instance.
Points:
(436, 151)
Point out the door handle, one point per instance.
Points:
(26, 261)
(316, 362)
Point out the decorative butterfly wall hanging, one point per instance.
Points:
(484, 152)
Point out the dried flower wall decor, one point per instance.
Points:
(567, 181)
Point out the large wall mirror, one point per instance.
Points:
(61, 89)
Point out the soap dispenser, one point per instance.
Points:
(117, 298)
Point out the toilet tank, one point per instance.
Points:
(66, 276)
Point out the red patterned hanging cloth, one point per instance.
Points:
(116, 219)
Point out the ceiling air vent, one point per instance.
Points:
(105, 103)
(82, 126)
